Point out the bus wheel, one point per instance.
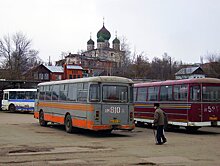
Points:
(139, 124)
(12, 108)
(42, 122)
(68, 124)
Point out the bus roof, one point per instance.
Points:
(184, 81)
(19, 90)
(110, 79)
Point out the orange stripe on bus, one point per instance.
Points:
(127, 126)
(101, 127)
(36, 115)
(81, 107)
(80, 123)
(58, 119)
(47, 117)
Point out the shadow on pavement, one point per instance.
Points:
(90, 133)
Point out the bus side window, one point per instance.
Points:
(180, 92)
(41, 92)
(55, 92)
(6, 96)
(48, 93)
(72, 92)
(142, 94)
(12, 95)
(166, 93)
(153, 93)
(63, 91)
(195, 94)
(82, 91)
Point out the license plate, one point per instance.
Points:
(115, 121)
(213, 118)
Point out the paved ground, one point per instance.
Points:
(24, 142)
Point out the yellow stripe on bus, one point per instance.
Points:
(163, 106)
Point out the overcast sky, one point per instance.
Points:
(185, 29)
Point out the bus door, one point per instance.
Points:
(195, 114)
(210, 104)
(115, 107)
(5, 102)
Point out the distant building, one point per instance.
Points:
(102, 60)
(72, 71)
(53, 73)
(45, 73)
(190, 72)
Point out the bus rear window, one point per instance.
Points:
(113, 93)
(211, 93)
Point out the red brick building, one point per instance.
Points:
(72, 71)
(54, 73)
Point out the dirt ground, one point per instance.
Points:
(24, 142)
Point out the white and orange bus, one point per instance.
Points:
(95, 103)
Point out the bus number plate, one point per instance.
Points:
(213, 118)
(114, 121)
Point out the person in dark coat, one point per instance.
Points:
(159, 122)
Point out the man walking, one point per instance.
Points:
(159, 122)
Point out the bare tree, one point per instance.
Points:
(140, 68)
(125, 58)
(212, 67)
(17, 54)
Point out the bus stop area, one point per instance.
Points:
(24, 142)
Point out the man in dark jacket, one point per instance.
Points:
(159, 122)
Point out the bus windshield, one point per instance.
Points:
(211, 93)
(115, 93)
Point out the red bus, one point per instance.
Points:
(191, 103)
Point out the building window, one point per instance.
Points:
(58, 77)
(70, 76)
(36, 75)
(41, 76)
(46, 76)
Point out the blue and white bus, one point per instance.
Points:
(19, 99)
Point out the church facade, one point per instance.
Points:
(99, 59)
(103, 49)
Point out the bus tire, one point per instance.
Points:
(68, 124)
(12, 108)
(139, 124)
(42, 122)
